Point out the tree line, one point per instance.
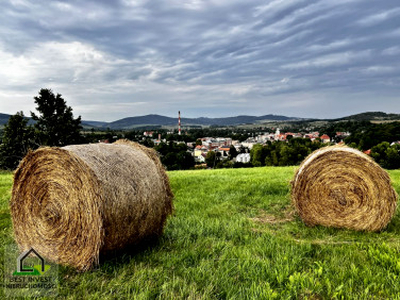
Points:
(280, 153)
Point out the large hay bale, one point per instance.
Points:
(75, 202)
(342, 187)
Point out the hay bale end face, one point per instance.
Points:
(342, 187)
(73, 203)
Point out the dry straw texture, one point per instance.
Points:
(75, 202)
(342, 187)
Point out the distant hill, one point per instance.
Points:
(156, 121)
(88, 124)
(371, 116)
(91, 124)
(133, 122)
(4, 118)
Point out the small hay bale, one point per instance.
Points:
(74, 203)
(341, 187)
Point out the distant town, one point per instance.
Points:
(274, 143)
(222, 145)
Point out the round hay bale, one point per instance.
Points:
(341, 187)
(74, 203)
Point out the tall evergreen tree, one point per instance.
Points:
(18, 138)
(55, 124)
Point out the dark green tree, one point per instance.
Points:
(256, 155)
(170, 160)
(18, 138)
(232, 152)
(387, 156)
(55, 124)
(148, 143)
(186, 160)
(211, 158)
(175, 156)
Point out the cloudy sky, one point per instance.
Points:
(211, 58)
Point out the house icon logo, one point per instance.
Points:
(36, 270)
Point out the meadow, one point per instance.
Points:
(234, 235)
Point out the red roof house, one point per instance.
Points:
(325, 138)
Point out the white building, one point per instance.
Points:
(216, 142)
(200, 159)
(243, 157)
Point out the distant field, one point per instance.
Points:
(234, 236)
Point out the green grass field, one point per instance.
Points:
(234, 236)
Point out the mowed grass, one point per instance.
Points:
(234, 236)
